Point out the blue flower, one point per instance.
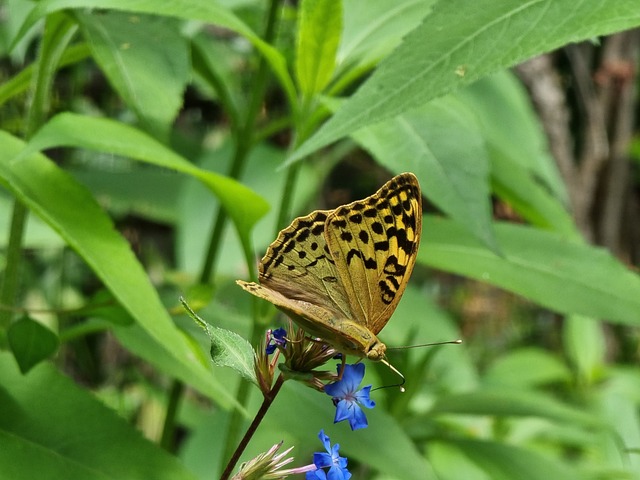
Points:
(348, 399)
(337, 464)
(278, 337)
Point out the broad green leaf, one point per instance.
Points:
(585, 346)
(203, 10)
(319, 28)
(550, 269)
(511, 402)
(31, 342)
(507, 462)
(74, 214)
(48, 424)
(228, 349)
(514, 369)
(446, 52)
(149, 79)
(68, 129)
(442, 145)
(374, 28)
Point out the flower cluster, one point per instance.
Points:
(302, 357)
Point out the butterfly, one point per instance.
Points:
(339, 274)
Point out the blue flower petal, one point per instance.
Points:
(336, 473)
(332, 459)
(321, 460)
(316, 475)
(363, 397)
(343, 411)
(358, 419)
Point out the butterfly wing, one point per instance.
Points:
(299, 266)
(373, 243)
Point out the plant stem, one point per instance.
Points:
(266, 403)
(9, 286)
(58, 32)
(169, 427)
(244, 140)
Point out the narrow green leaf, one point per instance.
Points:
(445, 53)
(520, 189)
(506, 462)
(149, 79)
(21, 82)
(244, 207)
(514, 369)
(584, 341)
(555, 271)
(31, 342)
(319, 28)
(510, 402)
(501, 100)
(203, 10)
(442, 145)
(74, 214)
(49, 424)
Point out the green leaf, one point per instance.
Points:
(510, 402)
(74, 214)
(550, 269)
(501, 100)
(149, 79)
(374, 28)
(442, 145)
(523, 172)
(514, 369)
(506, 462)
(48, 424)
(584, 341)
(444, 53)
(244, 207)
(228, 349)
(31, 342)
(319, 28)
(203, 10)
(520, 189)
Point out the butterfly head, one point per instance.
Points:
(376, 351)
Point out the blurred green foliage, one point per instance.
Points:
(150, 150)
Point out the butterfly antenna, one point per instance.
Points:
(395, 370)
(450, 342)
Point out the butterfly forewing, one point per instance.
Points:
(374, 243)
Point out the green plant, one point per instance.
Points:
(175, 113)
